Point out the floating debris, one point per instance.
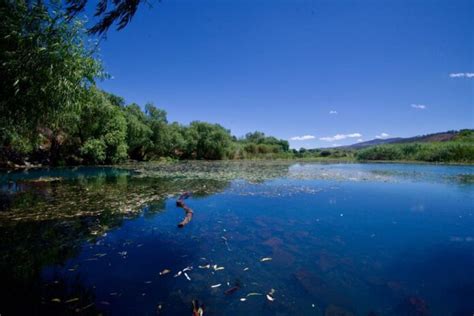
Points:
(188, 211)
(270, 295)
(254, 294)
(243, 299)
(265, 259)
(217, 268)
(246, 269)
(216, 285)
(178, 274)
(187, 269)
(56, 300)
(165, 271)
(207, 266)
(122, 253)
(187, 276)
(147, 282)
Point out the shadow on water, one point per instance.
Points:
(47, 221)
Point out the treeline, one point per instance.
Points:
(460, 149)
(53, 113)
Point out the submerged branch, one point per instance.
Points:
(189, 212)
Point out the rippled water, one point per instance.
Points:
(344, 239)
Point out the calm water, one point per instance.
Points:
(344, 239)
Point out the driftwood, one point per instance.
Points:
(189, 212)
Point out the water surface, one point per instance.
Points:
(344, 239)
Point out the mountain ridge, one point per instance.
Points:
(426, 138)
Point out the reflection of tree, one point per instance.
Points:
(26, 248)
(46, 223)
(91, 196)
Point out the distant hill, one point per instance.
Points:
(436, 137)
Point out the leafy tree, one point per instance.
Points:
(102, 130)
(138, 132)
(109, 12)
(157, 122)
(257, 142)
(207, 141)
(176, 140)
(46, 68)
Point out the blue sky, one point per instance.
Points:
(333, 71)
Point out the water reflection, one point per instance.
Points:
(46, 221)
(341, 241)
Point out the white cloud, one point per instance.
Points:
(333, 112)
(304, 137)
(381, 136)
(462, 75)
(360, 140)
(340, 137)
(418, 106)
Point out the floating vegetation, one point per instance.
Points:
(69, 193)
(465, 178)
(85, 197)
(92, 229)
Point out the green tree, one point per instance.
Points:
(102, 129)
(207, 141)
(47, 67)
(138, 132)
(157, 122)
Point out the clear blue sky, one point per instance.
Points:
(281, 67)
